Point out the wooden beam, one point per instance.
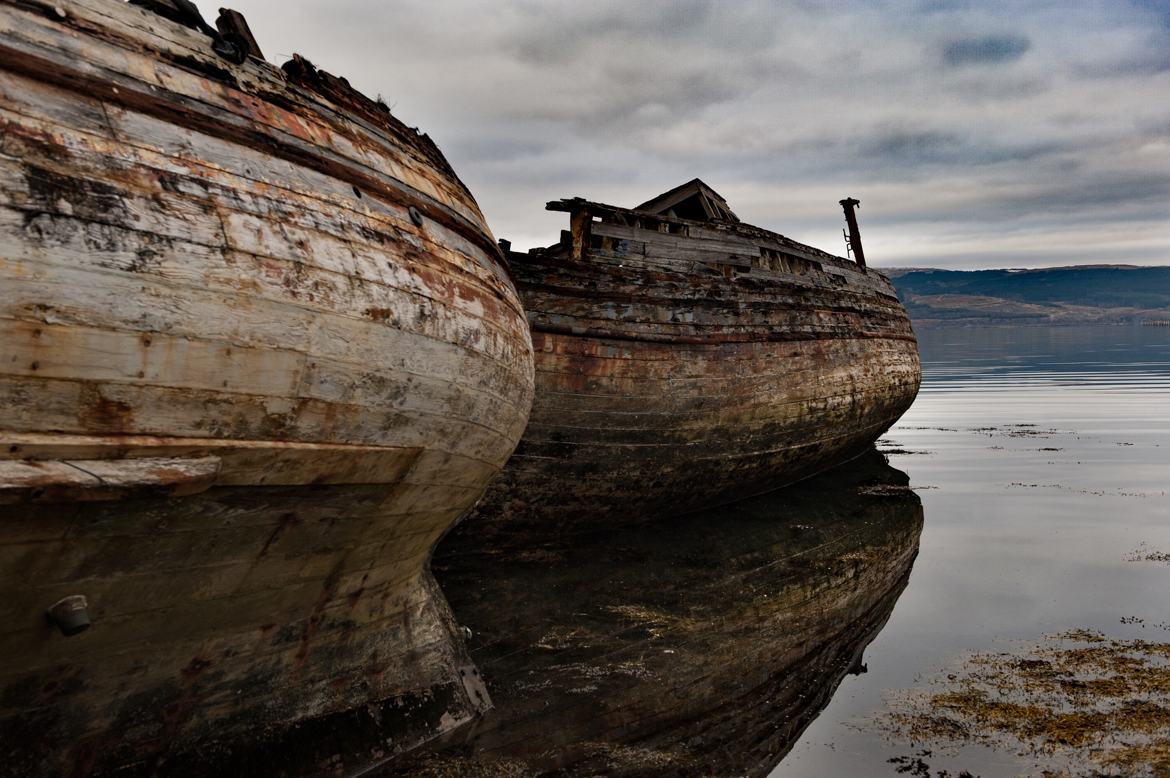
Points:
(242, 462)
(104, 479)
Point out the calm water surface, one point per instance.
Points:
(1042, 459)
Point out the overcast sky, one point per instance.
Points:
(975, 134)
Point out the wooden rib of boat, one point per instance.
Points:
(684, 359)
(258, 351)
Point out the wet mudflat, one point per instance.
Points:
(1034, 635)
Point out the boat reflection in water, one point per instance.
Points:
(702, 646)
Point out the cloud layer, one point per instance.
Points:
(986, 50)
(974, 133)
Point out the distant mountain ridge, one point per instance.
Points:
(1079, 293)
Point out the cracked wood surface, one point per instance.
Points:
(200, 262)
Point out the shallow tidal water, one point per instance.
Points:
(796, 634)
(1042, 459)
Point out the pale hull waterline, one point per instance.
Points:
(682, 364)
(258, 352)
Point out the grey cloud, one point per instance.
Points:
(1001, 88)
(986, 50)
(1159, 9)
(613, 64)
(1103, 191)
(1106, 198)
(686, 89)
(556, 34)
(1148, 62)
(902, 145)
(621, 99)
(950, 148)
(481, 148)
(943, 6)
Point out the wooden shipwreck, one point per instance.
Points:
(258, 351)
(685, 359)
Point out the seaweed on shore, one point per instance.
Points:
(1077, 702)
(1143, 553)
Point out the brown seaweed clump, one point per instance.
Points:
(1077, 704)
(1143, 553)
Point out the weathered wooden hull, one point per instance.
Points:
(258, 351)
(702, 647)
(677, 371)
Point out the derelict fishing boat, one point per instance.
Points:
(258, 351)
(685, 359)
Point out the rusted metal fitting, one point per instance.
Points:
(70, 614)
(473, 684)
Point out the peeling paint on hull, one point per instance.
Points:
(258, 351)
(682, 364)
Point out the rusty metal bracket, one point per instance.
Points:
(476, 690)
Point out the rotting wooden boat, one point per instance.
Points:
(258, 351)
(706, 649)
(684, 359)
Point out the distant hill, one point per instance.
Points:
(1082, 293)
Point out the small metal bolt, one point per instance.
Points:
(70, 614)
(415, 216)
